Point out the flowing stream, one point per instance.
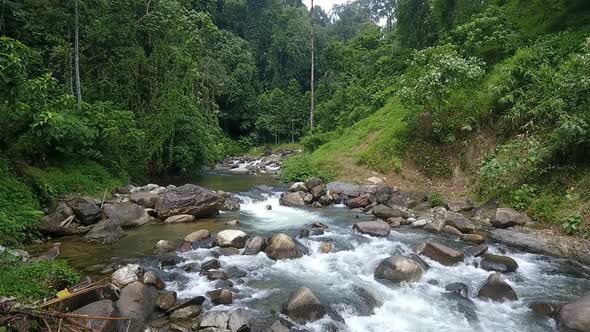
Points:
(343, 279)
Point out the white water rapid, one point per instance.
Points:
(337, 277)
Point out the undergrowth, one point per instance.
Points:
(34, 281)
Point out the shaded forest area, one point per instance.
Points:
(95, 93)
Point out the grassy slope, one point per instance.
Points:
(376, 142)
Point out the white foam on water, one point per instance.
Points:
(420, 306)
(279, 217)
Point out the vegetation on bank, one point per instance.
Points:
(494, 68)
(34, 281)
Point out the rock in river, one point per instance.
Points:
(87, 211)
(105, 232)
(220, 296)
(179, 218)
(491, 262)
(374, 228)
(298, 186)
(575, 316)
(282, 246)
(197, 235)
(496, 289)
(384, 212)
(189, 199)
(127, 214)
(254, 245)
(476, 251)
(506, 217)
(458, 221)
(103, 308)
(440, 253)
(292, 199)
(137, 301)
(231, 238)
(303, 306)
(398, 269)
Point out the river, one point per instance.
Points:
(337, 277)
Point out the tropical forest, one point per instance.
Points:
(294, 165)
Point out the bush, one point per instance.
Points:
(299, 168)
(83, 177)
(313, 141)
(436, 199)
(34, 281)
(19, 210)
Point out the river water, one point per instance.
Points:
(337, 277)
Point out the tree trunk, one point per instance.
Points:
(311, 111)
(77, 53)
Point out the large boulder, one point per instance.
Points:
(383, 193)
(87, 211)
(298, 186)
(292, 199)
(105, 232)
(215, 320)
(61, 222)
(152, 279)
(189, 199)
(199, 235)
(458, 221)
(575, 316)
(186, 313)
(220, 296)
(437, 223)
(137, 302)
(313, 182)
(344, 188)
(496, 289)
(398, 269)
(126, 275)
(231, 238)
(473, 238)
(103, 308)
(303, 306)
(238, 321)
(254, 245)
(491, 262)
(373, 228)
(441, 253)
(166, 300)
(360, 201)
(476, 251)
(282, 246)
(385, 212)
(318, 191)
(127, 214)
(506, 217)
(145, 199)
(231, 204)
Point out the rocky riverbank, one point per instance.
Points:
(138, 290)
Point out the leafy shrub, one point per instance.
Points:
(19, 210)
(34, 281)
(572, 223)
(436, 199)
(431, 77)
(488, 34)
(299, 168)
(522, 197)
(313, 141)
(83, 177)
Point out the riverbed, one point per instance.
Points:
(343, 278)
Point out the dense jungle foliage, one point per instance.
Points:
(95, 93)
